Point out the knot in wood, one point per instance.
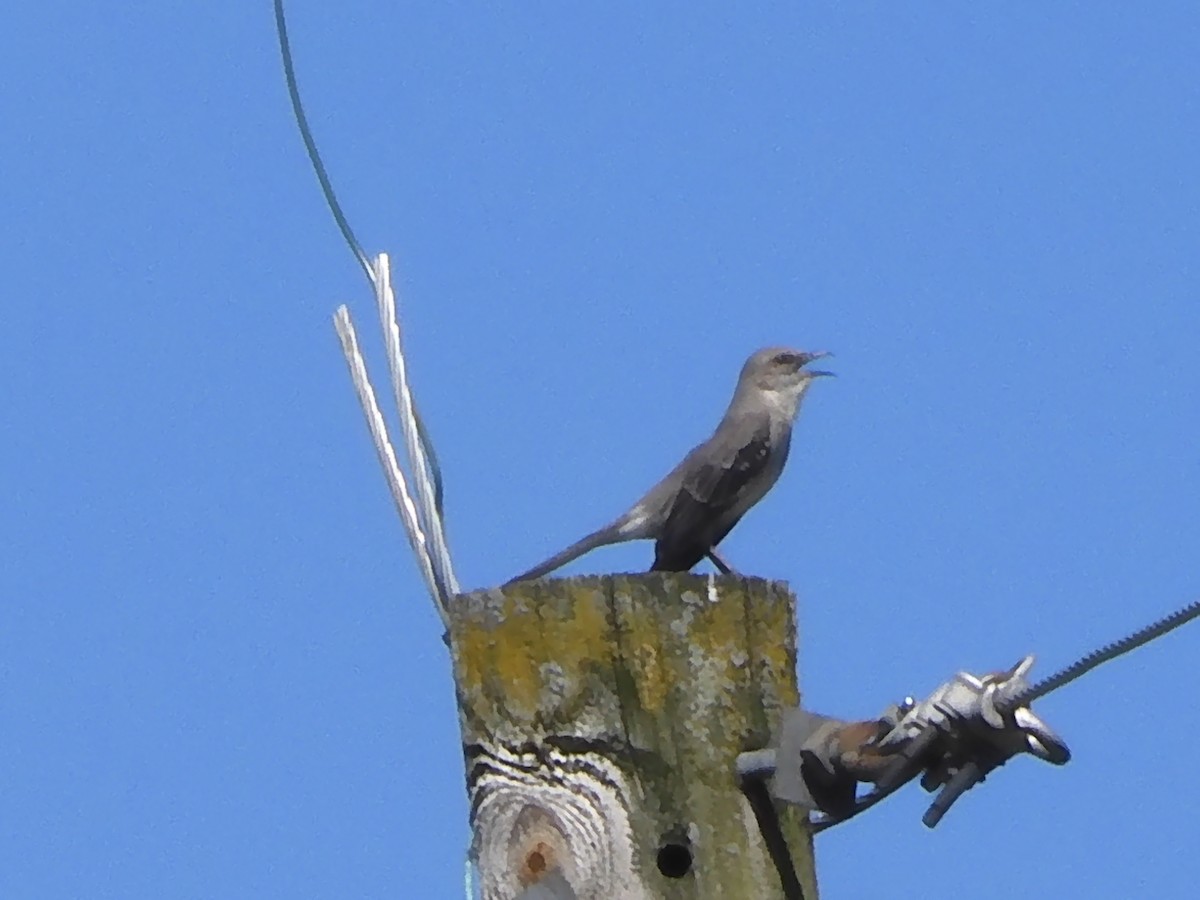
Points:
(536, 815)
(538, 845)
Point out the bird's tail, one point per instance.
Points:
(609, 534)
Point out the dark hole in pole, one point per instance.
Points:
(674, 860)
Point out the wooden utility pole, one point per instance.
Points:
(601, 717)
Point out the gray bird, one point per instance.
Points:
(691, 510)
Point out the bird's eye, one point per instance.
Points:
(786, 359)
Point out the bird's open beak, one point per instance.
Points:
(818, 373)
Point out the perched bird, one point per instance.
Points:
(691, 510)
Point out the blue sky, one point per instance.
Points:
(219, 674)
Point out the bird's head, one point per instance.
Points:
(781, 371)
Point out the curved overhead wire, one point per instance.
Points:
(335, 208)
(314, 157)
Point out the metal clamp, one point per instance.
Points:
(965, 729)
(953, 739)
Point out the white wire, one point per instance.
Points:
(387, 458)
(435, 568)
(419, 465)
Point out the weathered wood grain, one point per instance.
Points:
(601, 717)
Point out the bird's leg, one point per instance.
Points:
(718, 561)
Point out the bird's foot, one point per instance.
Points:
(719, 561)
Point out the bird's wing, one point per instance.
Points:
(719, 485)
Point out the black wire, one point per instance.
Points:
(861, 805)
(773, 837)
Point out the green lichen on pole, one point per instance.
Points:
(601, 717)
